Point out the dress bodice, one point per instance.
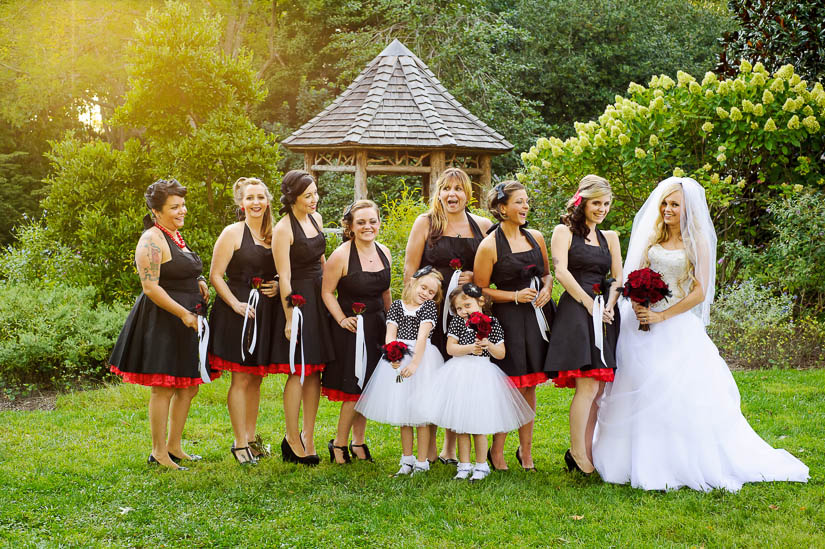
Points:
(672, 265)
(367, 287)
(589, 264)
(446, 248)
(305, 253)
(250, 260)
(182, 271)
(514, 271)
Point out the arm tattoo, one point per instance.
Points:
(152, 272)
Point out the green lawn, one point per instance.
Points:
(68, 475)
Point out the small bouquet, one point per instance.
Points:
(256, 282)
(481, 324)
(456, 264)
(645, 287)
(295, 300)
(530, 271)
(358, 308)
(393, 352)
(200, 309)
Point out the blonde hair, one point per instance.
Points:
(590, 186)
(436, 213)
(409, 288)
(348, 217)
(662, 233)
(238, 190)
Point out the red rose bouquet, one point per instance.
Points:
(456, 264)
(394, 352)
(645, 287)
(358, 307)
(295, 300)
(481, 324)
(256, 282)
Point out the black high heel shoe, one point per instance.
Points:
(332, 447)
(152, 461)
(192, 457)
(243, 456)
(313, 459)
(290, 456)
(367, 455)
(518, 458)
(570, 461)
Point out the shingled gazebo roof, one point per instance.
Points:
(397, 102)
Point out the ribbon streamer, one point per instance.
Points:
(598, 336)
(297, 325)
(535, 283)
(360, 352)
(203, 343)
(450, 287)
(252, 303)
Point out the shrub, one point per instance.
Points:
(54, 336)
(753, 327)
(37, 256)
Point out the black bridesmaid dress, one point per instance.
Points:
(526, 348)
(338, 382)
(305, 264)
(249, 261)
(154, 347)
(572, 352)
(439, 254)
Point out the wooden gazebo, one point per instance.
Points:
(396, 118)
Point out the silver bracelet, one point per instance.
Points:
(515, 298)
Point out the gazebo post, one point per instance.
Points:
(486, 177)
(437, 165)
(361, 175)
(309, 161)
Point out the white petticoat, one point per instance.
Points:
(472, 395)
(386, 401)
(672, 418)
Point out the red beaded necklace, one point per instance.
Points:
(176, 237)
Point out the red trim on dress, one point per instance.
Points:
(161, 380)
(218, 363)
(529, 380)
(284, 368)
(567, 378)
(338, 396)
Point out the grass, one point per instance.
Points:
(77, 476)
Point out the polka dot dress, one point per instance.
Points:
(408, 320)
(466, 336)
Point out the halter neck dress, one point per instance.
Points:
(305, 265)
(526, 349)
(573, 352)
(439, 253)
(154, 347)
(338, 382)
(249, 261)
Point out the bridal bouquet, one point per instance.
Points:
(645, 287)
(481, 324)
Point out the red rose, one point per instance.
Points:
(597, 289)
(645, 287)
(256, 282)
(296, 300)
(200, 309)
(358, 307)
(456, 264)
(481, 324)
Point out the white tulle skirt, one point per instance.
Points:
(386, 401)
(672, 418)
(472, 395)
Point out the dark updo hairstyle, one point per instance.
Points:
(590, 186)
(346, 220)
(500, 194)
(156, 195)
(293, 185)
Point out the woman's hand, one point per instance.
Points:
(409, 369)
(270, 289)
(288, 329)
(609, 315)
(526, 295)
(544, 296)
(465, 277)
(204, 290)
(349, 323)
(240, 308)
(645, 316)
(190, 320)
(395, 365)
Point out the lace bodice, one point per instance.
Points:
(671, 264)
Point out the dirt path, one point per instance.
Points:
(40, 401)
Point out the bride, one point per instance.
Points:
(671, 418)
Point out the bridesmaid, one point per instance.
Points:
(445, 233)
(514, 258)
(359, 270)
(299, 259)
(158, 345)
(243, 253)
(582, 257)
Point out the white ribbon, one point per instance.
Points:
(251, 303)
(450, 287)
(360, 352)
(297, 324)
(535, 283)
(598, 311)
(203, 343)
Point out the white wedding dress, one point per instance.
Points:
(672, 418)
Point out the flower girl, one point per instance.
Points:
(471, 395)
(404, 375)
